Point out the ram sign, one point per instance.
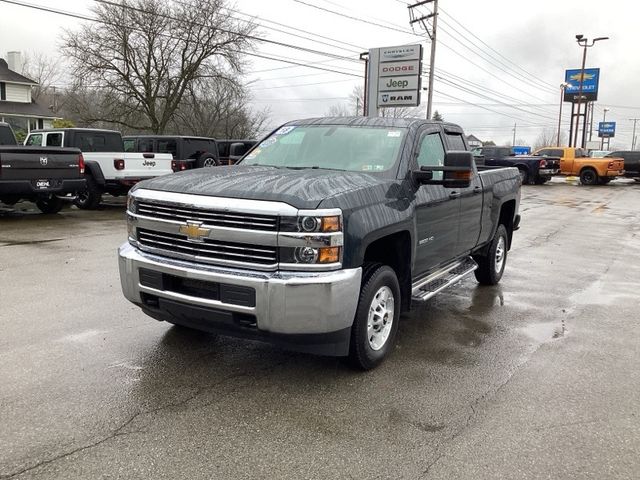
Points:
(590, 80)
(393, 77)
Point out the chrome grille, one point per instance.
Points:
(208, 251)
(207, 217)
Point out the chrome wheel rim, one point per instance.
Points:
(500, 254)
(209, 162)
(380, 318)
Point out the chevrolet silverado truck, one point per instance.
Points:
(40, 175)
(533, 169)
(576, 162)
(109, 169)
(321, 235)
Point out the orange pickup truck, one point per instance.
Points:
(576, 162)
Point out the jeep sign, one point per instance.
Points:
(398, 83)
(393, 77)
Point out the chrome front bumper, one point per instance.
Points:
(287, 303)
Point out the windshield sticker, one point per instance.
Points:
(367, 168)
(284, 130)
(268, 142)
(394, 133)
(378, 168)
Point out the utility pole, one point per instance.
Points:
(513, 144)
(583, 42)
(604, 119)
(633, 137)
(432, 36)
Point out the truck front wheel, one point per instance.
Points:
(491, 266)
(50, 204)
(376, 322)
(89, 199)
(589, 176)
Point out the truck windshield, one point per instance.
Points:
(334, 147)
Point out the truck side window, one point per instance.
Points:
(54, 139)
(34, 140)
(455, 141)
(431, 153)
(129, 145)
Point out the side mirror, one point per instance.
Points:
(237, 149)
(458, 168)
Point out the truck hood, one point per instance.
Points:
(303, 189)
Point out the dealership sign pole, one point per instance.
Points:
(393, 78)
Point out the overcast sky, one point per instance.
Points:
(531, 45)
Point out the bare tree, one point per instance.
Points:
(548, 137)
(338, 110)
(143, 56)
(47, 71)
(218, 108)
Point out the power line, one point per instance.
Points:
(85, 17)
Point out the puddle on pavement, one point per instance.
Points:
(545, 332)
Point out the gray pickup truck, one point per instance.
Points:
(321, 235)
(39, 174)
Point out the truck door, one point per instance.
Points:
(437, 212)
(470, 198)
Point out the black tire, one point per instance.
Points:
(89, 199)
(367, 351)
(50, 204)
(589, 176)
(207, 161)
(490, 269)
(541, 180)
(524, 176)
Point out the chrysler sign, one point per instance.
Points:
(393, 77)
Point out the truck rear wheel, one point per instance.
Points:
(524, 176)
(50, 204)
(376, 322)
(589, 176)
(89, 199)
(491, 266)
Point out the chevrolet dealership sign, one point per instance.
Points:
(393, 77)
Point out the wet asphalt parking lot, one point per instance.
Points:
(535, 378)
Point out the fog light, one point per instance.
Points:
(329, 255)
(306, 255)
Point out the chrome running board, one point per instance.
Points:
(426, 287)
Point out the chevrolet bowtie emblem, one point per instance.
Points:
(194, 231)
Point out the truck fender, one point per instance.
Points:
(93, 169)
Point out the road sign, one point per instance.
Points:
(590, 81)
(393, 77)
(606, 129)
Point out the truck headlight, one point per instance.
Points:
(311, 224)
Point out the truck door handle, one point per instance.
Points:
(454, 194)
(477, 189)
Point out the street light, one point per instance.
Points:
(583, 42)
(563, 85)
(604, 119)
